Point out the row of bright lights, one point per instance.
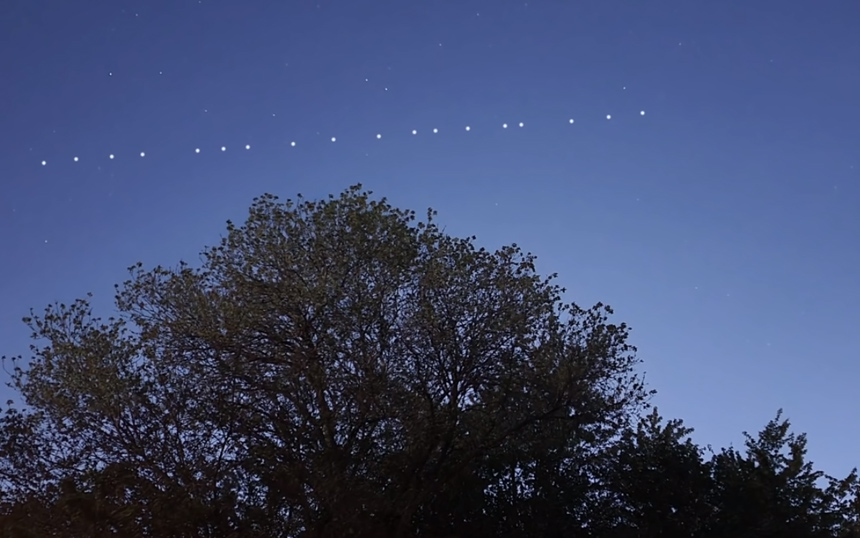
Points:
(334, 139)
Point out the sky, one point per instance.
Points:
(694, 164)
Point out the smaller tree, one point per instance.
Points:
(655, 483)
(771, 490)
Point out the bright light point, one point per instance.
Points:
(609, 116)
(468, 128)
(293, 144)
(75, 159)
(333, 139)
(223, 148)
(378, 136)
(504, 126)
(414, 132)
(143, 154)
(435, 130)
(641, 112)
(570, 121)
(521, 124)
(247, 146)
(110, 156)
(44, 163)
(196, 150)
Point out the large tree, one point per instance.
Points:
(333, 368)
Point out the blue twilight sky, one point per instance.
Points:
(723, 224)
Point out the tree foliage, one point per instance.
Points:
(340, 368)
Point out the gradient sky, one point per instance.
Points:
(723, 224)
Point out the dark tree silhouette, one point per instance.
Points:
(332, 369)
(337, 368)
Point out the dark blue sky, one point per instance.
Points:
(723, 224)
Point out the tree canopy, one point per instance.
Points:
(339, 367)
